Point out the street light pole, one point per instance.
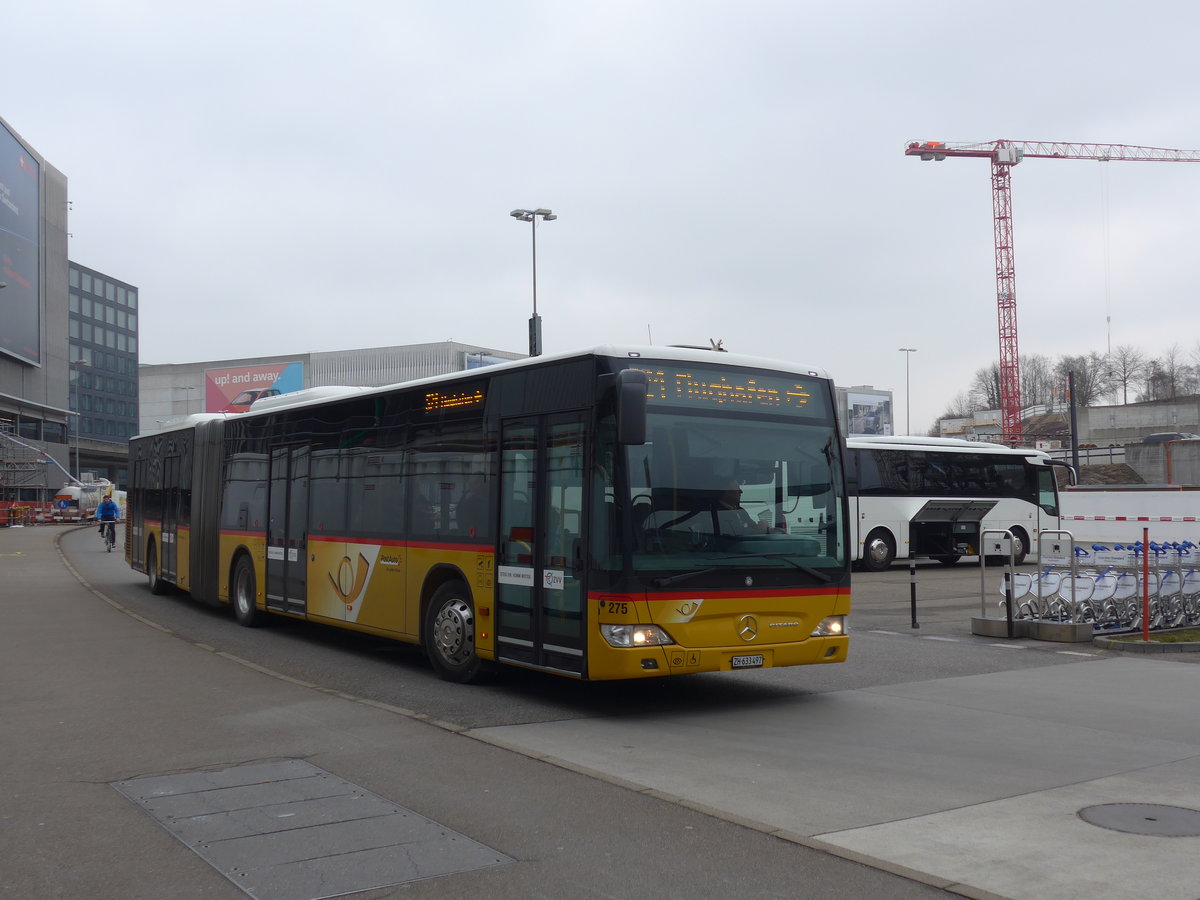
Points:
(908, 352)
(73, 375)
(187, 398)
(535, 321)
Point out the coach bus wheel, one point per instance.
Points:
(949, 559)
(450, 633)
(1020, 546)
(878, 551)
(158, 587)
(244, 593)
(1020, 550)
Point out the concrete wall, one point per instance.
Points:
(1171, 462)
(1124, 424)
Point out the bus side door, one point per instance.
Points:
(169, 563)
(287, 530)
(540, 567)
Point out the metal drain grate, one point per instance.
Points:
(1153, 819)
(288, 830)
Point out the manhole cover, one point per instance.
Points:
(1153, 819)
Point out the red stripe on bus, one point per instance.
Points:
(673, 596)
(387, 542)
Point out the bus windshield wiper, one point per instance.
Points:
(787, 558)
(682, 576)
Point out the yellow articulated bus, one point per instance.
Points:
(614, 513)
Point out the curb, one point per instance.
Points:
(1147, 646)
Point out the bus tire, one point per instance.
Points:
(1020, 545)
(158, 587)
(878, 551)
(449, 636)
(948, 559)
(244, 593)
(1020, 549)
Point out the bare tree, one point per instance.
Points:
(1090, 376)
(1172, 367)
(962, 406)
(985, 388)
(1038, 381)
(1126, 365)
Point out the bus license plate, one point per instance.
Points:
(751, 661)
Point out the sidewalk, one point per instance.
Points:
(92, 698)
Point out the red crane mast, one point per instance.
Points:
(1004, 155)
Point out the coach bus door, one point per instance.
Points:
(540, 561)
(287, 530)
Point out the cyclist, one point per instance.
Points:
(107, 514)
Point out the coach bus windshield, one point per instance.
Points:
(717, 495)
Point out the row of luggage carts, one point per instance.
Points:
(1106, 586)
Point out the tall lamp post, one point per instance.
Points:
(535, 321)
(74, 378)
(187, 398)
(908, 352)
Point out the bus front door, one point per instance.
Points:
(287, 530)
(540, 564)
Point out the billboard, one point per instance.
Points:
(234, 389)
(20, 312)
(869, 413)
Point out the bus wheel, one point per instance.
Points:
(949, 559)
(450, 633)
(1020, 546)
(878, 551)
(158, 587)
(243, 591)
(1020, 550)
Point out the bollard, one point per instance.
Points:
(912, 589)
(1008, 601)
(1146, 584)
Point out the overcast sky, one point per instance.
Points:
(290, 177)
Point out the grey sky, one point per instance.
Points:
(285, 177)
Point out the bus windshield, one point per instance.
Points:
(713, 496)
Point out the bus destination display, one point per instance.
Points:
(697, 387)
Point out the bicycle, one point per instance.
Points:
(110, 535)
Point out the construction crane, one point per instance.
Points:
(1004, 155)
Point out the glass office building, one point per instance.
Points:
(103, 335)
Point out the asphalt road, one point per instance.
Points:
(885, 649)
(932, 753)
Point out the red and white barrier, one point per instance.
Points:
(1119, 516)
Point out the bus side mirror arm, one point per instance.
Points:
(631, 407)
(1072, 475)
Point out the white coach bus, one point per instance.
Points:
(891, 479)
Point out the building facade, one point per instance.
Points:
(170, 392)
(34, 384)
(103, 336)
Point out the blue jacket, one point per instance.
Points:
(108, 511)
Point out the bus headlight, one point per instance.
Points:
(635, 635)
(833, 626)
